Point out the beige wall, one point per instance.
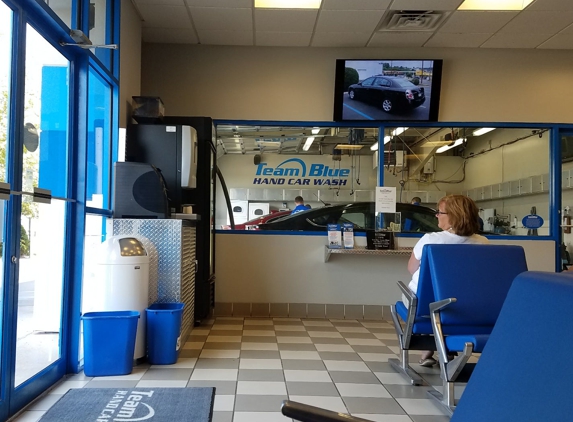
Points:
(130, 60)
(260, 83)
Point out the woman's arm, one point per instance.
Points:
(413, 264)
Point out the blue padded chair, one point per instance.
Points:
(415, 330)
(523, 372)
(470, 284)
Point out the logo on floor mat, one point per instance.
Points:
(124, 408)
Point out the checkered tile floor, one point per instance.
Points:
(256, 363)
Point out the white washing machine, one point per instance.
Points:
(240, 211)
(258, 209)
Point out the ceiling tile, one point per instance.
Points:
(283, 39)
(447, 39)
(348, 21)
(164, 16)
(340, 39)
(355, 4)
(476, 22)
(399, 39)
(538, 22)
(559, 41)
(558, 5)
(503, 40)
(285, 20)
(425, 4)
(226, 37)
(169, 35)
(231, 4)
(219, 19)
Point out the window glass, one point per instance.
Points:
(99, 141)
(62, 8)
(5, 44)
(98, 28)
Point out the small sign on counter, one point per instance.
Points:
(348, 235)
(379, 239)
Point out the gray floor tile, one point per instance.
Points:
(259, 339)
(354, 377)
(217, 364)
(189, 353)
(349, 323)
(228, 322)
(378, 405)
(217, 345)
(312, 389)
(358, 335)
(225, 388)
(258, 403)
(285, 333)
(327, 340)
(297, 346)
(289, 322)
(408, 391)
(372, 349)
(425, 418)
(259, 327)
(321, 328)
(260, 354)
(339, 356)
(261, 375)
(167, 374)
(225, 333)
(197, 338)
(222, 417)
(393, 343)
(380, 367)
(95, 383)
(302, 364)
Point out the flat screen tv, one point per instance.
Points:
(387, 90)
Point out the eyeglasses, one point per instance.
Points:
(440, 212)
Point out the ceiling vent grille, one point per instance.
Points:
(412, 20)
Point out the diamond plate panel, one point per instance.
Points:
(171, 246)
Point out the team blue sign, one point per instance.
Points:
(532, 221)
(294, 172)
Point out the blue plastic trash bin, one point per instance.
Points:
(109, 342)
(163, 332)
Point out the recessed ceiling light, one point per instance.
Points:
(308, 143)
(494, 4)
(288, 4)
(458, 142)
(479, 132)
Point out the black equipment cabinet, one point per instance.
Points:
(202, 198)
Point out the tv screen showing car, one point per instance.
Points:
(387, 90)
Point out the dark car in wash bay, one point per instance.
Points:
(360, 214)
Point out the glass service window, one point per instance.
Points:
(5, 62)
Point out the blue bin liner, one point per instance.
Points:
(163, 332)
(109, 342)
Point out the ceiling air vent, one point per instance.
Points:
(412, 20)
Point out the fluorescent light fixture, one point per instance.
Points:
(399, 131)
(315, 130)
(374, 147)
(308, 143)
(348, 146)
(483, 130)
(494, 4)
(450, 146)
(288, 4)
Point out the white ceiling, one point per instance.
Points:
(544, 24)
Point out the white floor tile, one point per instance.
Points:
(317, 323)
(362, 390)
(386, 336)
(162, 384)
(229, 318)
(352, 330)
(376, 357)
(224, 403)
(32, 416)
(383, 418)
(258, 322)
(293, 354)
(344, 365)
(214, 375)
(334, 404)
(258, 417)
(259, 346)
(266, 388)
(289, 328)
(224, 339)
(260, 364)
(325, 334)
(45, 402)
(364, 342)
(219, 354)
(420, 407)
(63, 387)
(392, 379)
(307, 376)
(376, 324)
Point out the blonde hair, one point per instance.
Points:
(463, 214)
